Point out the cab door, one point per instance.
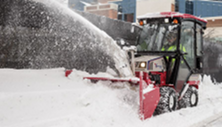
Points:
(187, 62)
(199, 49)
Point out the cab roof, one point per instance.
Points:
(170, 15)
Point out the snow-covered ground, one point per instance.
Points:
(46, 98)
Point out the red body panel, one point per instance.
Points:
(148, 81)
(113, 79)
(151, 100)
(185, 16)
(194, 83)
(148, 100)
(68, 72)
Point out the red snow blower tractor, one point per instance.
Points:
(167, 62)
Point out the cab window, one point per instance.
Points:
(199, 40)
(187, 41)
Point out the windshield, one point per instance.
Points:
(157, 37)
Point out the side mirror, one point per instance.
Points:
(133, 25)
(132, 28)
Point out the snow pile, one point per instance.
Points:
(46, 98)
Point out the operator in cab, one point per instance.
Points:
(171, 44)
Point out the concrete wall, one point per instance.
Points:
(149, 6)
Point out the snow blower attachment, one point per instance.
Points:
(167, 62)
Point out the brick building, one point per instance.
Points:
(114, 9)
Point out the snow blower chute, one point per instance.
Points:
(167, 62)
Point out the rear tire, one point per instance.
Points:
(167, 102)
(190, 98)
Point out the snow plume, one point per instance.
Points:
(45, 34)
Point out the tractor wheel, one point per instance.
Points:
(167, 102)
(190, 98)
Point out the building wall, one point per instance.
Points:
(129, 9)
(78, 5)
(172, 7)
(109, 10)
(214, 27)
(214, 22)
(106, 1)
(200, 8)
(207, 8)
(150, 6)
(126, 9)
(108, 13)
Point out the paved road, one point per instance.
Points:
(214, 123)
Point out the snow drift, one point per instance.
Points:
(44, 34)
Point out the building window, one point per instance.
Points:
(176, 6)
(119, 16)
(189, 7)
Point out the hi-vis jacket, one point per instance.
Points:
(173, 48)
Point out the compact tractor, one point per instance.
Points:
(167, 62)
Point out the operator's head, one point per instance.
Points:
(172, 37)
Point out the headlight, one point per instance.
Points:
(142, 65)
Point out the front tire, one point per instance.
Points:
(190, 98)
(167, 102)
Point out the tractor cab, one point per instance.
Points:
(172, 43)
